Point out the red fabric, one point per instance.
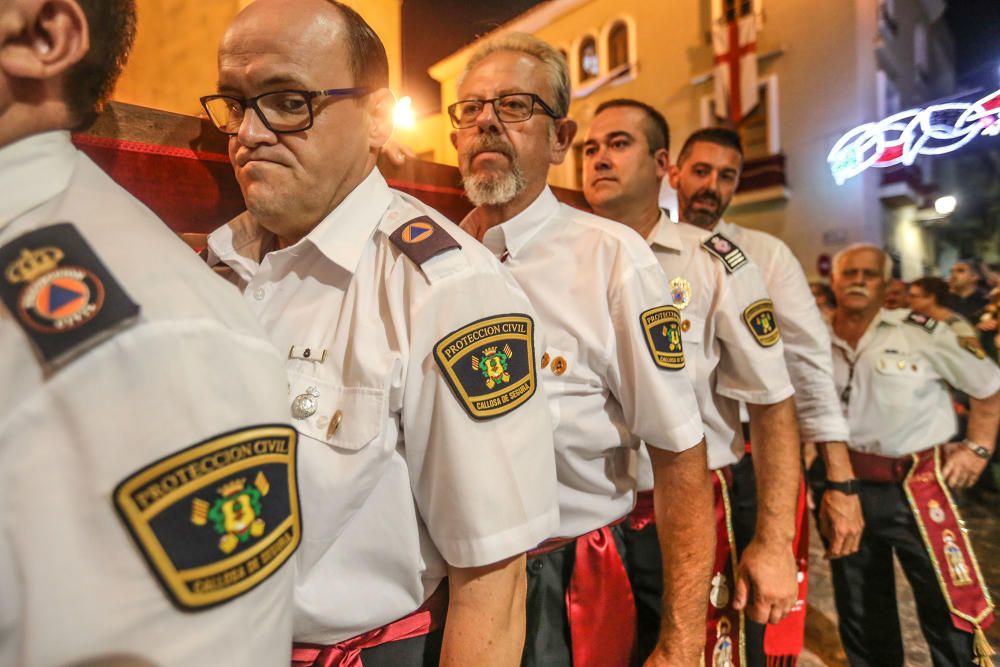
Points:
(784, 641)
(731, 59)
(720, 606)
(947, 543)
(429, 617)
(643, 513)
(599, 603)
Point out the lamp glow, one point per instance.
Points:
(403, 114)
(945, 205)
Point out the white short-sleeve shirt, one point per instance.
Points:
(410, 480)
(74, 585)
(803, 332)
(894, 387)
(593, 282)
(729, 362)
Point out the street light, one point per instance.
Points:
(403, 114)
(945, 205)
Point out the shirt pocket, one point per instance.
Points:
(348, 418)
(898, 379)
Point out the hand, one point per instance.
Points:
(766, 581)
(841, 523)
(987, 325)
(961, 467)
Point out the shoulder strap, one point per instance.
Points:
(421, 238)
(726, 251)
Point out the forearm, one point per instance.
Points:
(984, 417)
(685, 525)
(774, 434)
(485, 623)
(837, 459)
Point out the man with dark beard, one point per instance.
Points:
(706, 176)
(612, 369)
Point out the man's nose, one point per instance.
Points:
(487, 120)
(253, 131)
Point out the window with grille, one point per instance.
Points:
(589, 64)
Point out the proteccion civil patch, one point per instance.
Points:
(662, 326)
(218, 518)
(490, 364)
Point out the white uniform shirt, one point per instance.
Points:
(803, 332)
(408, 481)
(727, 362)
(894, 385)
(590, 280)
(73, 584)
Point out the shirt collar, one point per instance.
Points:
(340, 236)
(723, 227)
(665, 234)
(516, 233)
(33, 170)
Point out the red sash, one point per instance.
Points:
(948, 545)
(599, 601)
(642, 514)
(784, 641)
(428, 618)
(725, 637)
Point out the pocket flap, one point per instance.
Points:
(345, 417)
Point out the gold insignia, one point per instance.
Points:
(680, 292)
(558, 366)
(545, 360)
(759, 316)
(971, 344)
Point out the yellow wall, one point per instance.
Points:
(173, 62)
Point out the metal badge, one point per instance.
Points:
(304, 405)
(680, 292)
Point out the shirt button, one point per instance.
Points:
(258, 293)
(536, 565)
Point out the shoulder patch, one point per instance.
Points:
(422, 238)
(662, 326)
(759, 316)
(971, 344)
(490, 364)
(218, 518)
(730, 254)
(61, 294)
(928, 324)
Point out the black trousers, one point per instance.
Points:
(547, 641)
(864, 585)
(645, 569)
(414, 652)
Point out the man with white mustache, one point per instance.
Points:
(894, 370)
(613, 369)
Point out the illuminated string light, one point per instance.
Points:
(900, 138)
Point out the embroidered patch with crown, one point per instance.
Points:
(759, 316)
(490, 364)
(218, 518)
(61, 294)
(662, 326)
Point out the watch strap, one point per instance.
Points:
(849, 487)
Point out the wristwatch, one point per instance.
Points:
(849, 487)
(978, 450)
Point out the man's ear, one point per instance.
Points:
(673, 174)
(44, 39)
(562, 139)
(454, 138)
(662, 158)
(381, 105)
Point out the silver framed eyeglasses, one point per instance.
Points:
(511, 108)
(281, 111)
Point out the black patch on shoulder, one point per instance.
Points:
(662, 326)
(928, 324)
(218, 518)
(61, 294)
(422, 238)
(760, 318)
(727, 251)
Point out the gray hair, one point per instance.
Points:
(856, 247)
(553, 62)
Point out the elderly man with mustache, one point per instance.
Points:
(893, 369)
(613, 369)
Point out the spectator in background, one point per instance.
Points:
(928, 296)
(967, 299)
(825, 300)
(895, 295)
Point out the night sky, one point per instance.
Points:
(432, 29)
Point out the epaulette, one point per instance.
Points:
(61, 294)
(928, 324)
(422, 238)
(730, 254)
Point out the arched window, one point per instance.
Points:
(589, 65)
(618, 45)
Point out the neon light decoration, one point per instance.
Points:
(900, 138)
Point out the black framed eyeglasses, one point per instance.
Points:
(281, 111)
(511, 108)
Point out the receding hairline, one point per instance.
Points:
(856, 248)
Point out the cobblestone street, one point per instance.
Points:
(823, 646)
